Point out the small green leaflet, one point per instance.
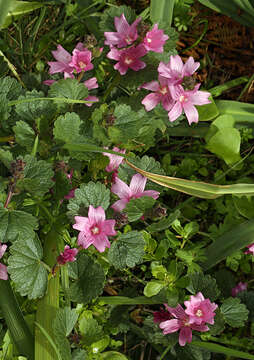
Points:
(113, 355)
(24, 135)
(16, 225)
(127, 250)
(6, 157)
(235, 314)
(135, 208)
(25, 268)
(88, 278)
(10, 87)
(164, 223)
(90, 329)
(69, 89)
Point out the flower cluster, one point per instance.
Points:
(127, 46)
(198, 312)
(3, 268)
(176, 89)
(70, 65)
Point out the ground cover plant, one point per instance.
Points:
(126, 167)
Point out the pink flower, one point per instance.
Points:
(134, 191)
(239, 288)
(91, 84)
(155, 40)
(160, 316)
(94, 229)
(128, 58)
(68, 255)
(250, 249)
(182, 323)
(126, 34)
(81, 60)
(3, 268)
(62, 64)
(161, 94)
(175, 70)
(200, 310)
(185, 101)
(114, 160)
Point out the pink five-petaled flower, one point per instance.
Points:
(126, 34)
(175, 70)
(94, 229)
(81, 60)
(200, 310)
(161, 94)
(239, 288)
(185, 101)
(134, 191)
(155, 40)
(250, 249)
(114, 160)
(128, 58)
(3, 268)
(182, 323)
(68, 255)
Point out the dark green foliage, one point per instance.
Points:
(204, 284)
(235, 314)
(137, 207)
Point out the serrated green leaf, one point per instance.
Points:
(79, 354)
(204, 284)
(164, 223)
(6, 157)
(219, 324)
(62, 326)
(95, 194)
(10, 87)
(245, 206)
(135, 208)
(62, 185)
(153, 288)
(16, 225)
(69, 89)
(190, 352)
(90, 329)
(235, 314)
(89, 279)
(247, 298)
(127, 250)
(5, 112)
(37, 176)
(25, 267)
(24, 134)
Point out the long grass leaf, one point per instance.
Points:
(222, 350)
(162, 11)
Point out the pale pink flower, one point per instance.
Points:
(134, 191)
(128, 58)
(114, 160)
(155, 40)
(250, 249)
(239, 288)
(161, 94)
(81, 60)
(126, 34)
(3, 268)
(182, 323)
(68, 255)
(94, 229)
(175, 70)
(200, 310)
(185, 101)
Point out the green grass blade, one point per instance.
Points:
(162, 11)
(124, 300)
(235, 239)
(222, 350)
(50, 340)
(5, 7)
(241, 112)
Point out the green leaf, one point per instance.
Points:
(247, 298)
(79, 354)
(95, 194)
(153, 287)
(241, 112)
(219, 324)
(113, 355)
(227, 244)
(208, 112)
(161, 11)
(107, 17)
(26, 269)
(6, 157)
(9, 86)
(204, 284)
(127, 250)
(135, 208)
(5, 7)
(235, 314)
(225, 281)
(37, 176)
(69, 89)
(90, 329)
(88, 278)
(62, 326)
(17, 8)
(189, 352)
(124, 300)
(245, 206)
(24, 135)
(164, 223)
(16, 225)
(32, 110)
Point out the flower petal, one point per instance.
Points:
(81, 223)
(119, 205)
(185, 335)
(101, 242)
(62, 55)
(175, 112)
(190, 67)
(96, 215)
(191, 112)
(150, 101)
(137, 184)
(121, 189)
(170, 326)
(108, 227)
(3, 272)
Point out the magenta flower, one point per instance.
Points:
(250, 249)
(182, 323)
(160, 316)
(200, 310)
(3, 268)
(128, 58)
(68, 255)
(239, 288)
(81, 60)
(161, 94)
(155, 40)
(126, 34)
(175, 70)
(134, 191)
(185, 101)
(94, 229)
(114, 160)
